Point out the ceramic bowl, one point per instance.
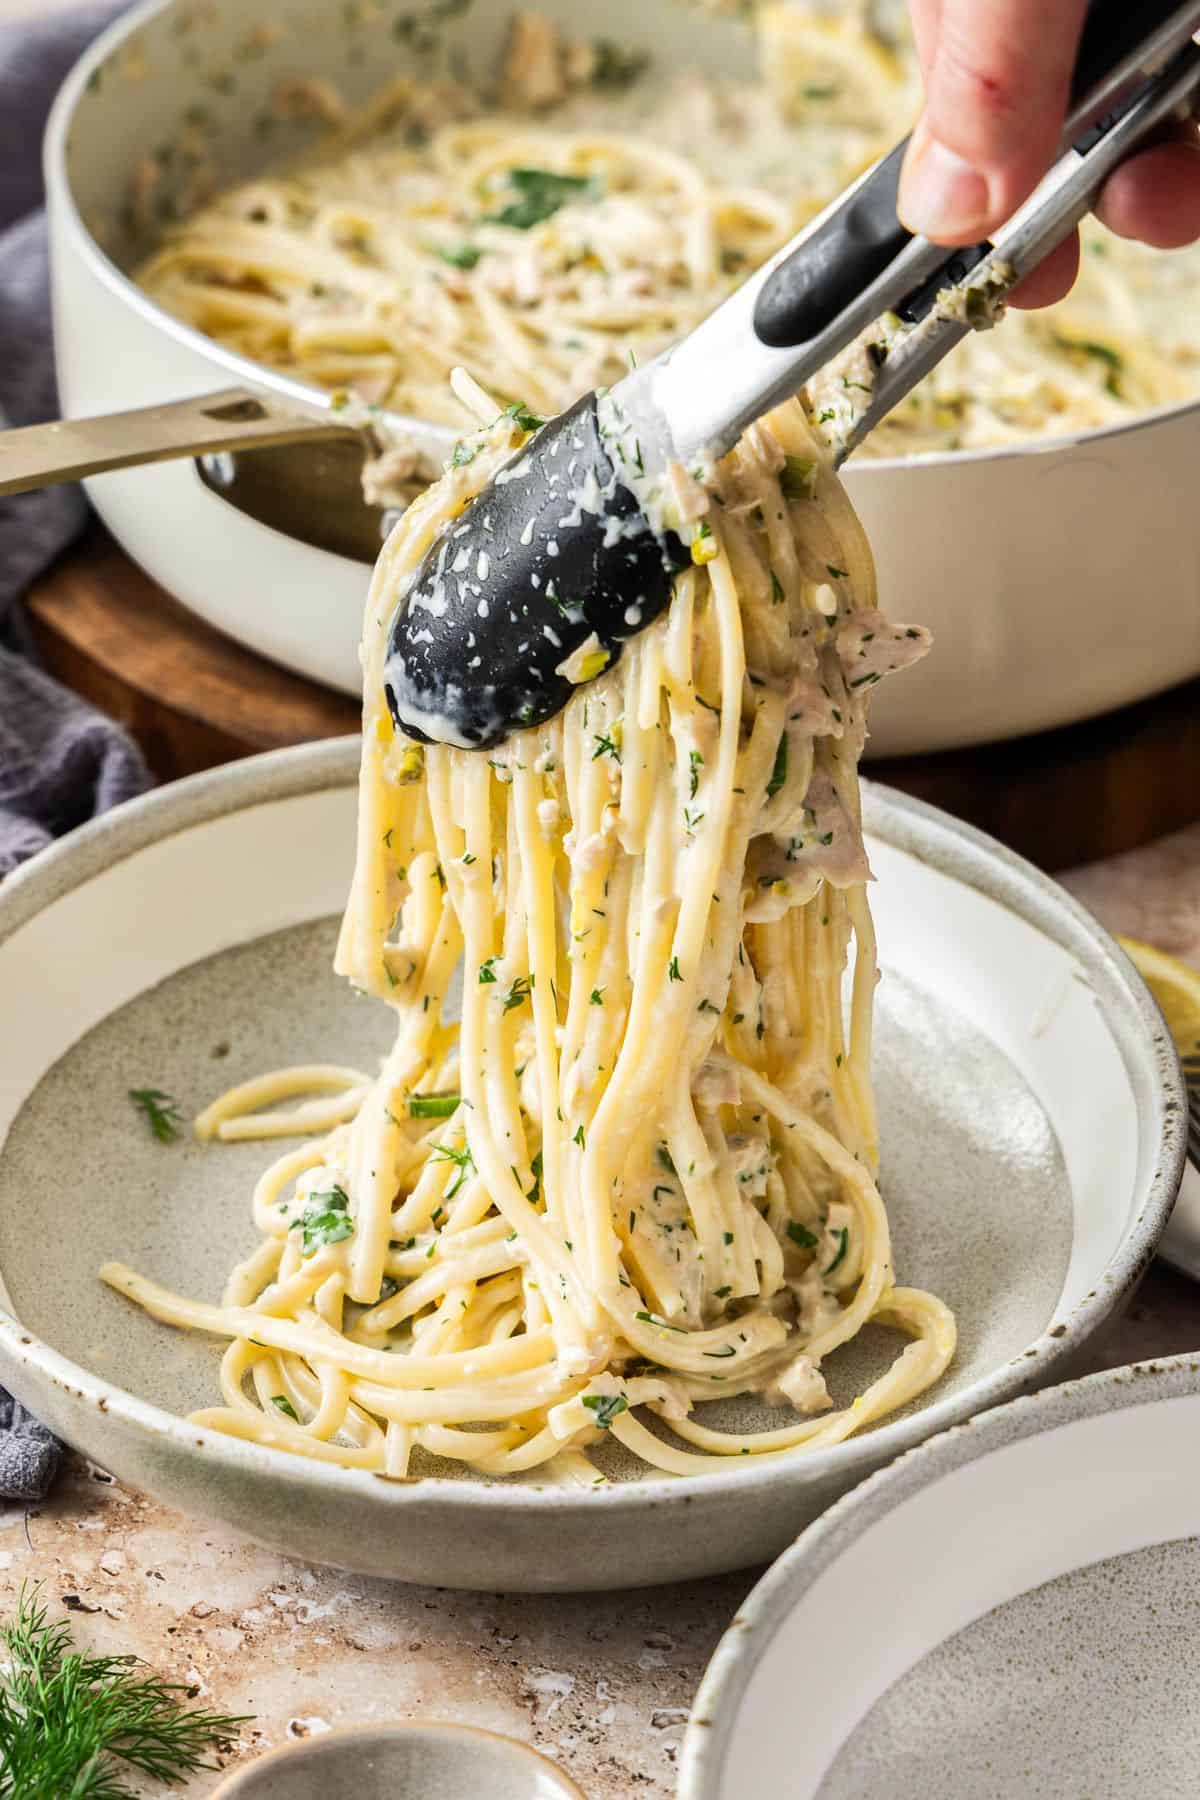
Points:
(1021, 561)
(1008, 1611)
(401, 1762)
(1030, 1107)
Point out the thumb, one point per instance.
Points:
(996, 96)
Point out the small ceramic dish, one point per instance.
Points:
(401, 1762)
(1031, 1114)
(1010, 1610)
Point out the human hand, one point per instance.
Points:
(997, 78)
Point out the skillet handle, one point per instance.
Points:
(37, 456)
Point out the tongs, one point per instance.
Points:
(569, 552)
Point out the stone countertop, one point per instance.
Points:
(601, 1683)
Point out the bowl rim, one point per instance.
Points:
(245, 369)
(832, 1536)
(236, 1782)
(943, 844)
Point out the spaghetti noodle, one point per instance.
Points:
(631, 1167)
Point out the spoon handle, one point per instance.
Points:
(36, 456)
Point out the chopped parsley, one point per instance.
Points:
(777, 593)
(520, 414)
(605, 746)
(487, 971)
(606, 1407)
(464, 454)
(844, 1236)
(800, 1234)
(162, 1112)
(461, 256)
(597, 997)
(695, 764)
(285, 1406)
(538, 194)
(325, 1220)
(517, 994)
(673, 969)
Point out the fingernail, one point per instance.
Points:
(941, 196)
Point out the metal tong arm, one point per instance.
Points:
(972, 301)
(36, 456)
(860, 240)
(855, 261)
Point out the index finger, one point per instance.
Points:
(996, 97)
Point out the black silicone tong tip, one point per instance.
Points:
(554, 560)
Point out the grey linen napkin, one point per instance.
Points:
(61, 762)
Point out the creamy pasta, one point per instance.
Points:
(589, 208)
(629, 1167)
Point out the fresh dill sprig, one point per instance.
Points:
(464, 1160)
(68, 1719)
(162, 1114)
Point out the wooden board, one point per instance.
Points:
(190, 696)
(193, 698)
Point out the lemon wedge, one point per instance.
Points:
(1176, 987)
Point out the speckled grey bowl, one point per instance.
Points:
(401, 1762)
(1030, 1108)
(1010, 1610)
